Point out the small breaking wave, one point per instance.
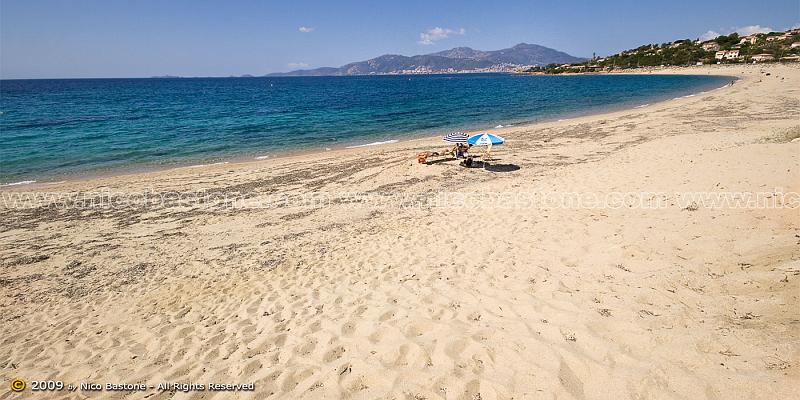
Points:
(373, 144)
(19, 183)
(206, 165)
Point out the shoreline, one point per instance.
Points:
(136, 169)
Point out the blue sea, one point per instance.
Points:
(56, 129)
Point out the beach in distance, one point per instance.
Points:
(637, 245)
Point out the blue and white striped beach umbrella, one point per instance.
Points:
(485, 139)
(456, 137)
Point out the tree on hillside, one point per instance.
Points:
(726, 42)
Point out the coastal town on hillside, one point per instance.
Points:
(427, 70)
(724, 49)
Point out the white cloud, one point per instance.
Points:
(306, 29)
(742, 31)
(751, 29)
(298, 65)
(709, 35)
(432, 35)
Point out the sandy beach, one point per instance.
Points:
(596, 258)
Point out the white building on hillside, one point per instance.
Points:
(731, 54)
(727, 55)
(762, 57)
(749, 39)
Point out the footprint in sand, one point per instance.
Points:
(280, 340)
(306, 348)
(294, 378)
(386, 316)
(399, 358)
(376, 336)
(360, 310)
(454, 348)
(315, 326)
(416, 329)
(251, 368)
(570, 381)
(334, 354)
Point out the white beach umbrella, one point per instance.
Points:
(456, 137)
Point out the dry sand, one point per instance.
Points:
(425, 299)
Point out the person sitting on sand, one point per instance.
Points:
(461, 150)
(456, 150)
(422, 158)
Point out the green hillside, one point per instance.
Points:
(765, 47)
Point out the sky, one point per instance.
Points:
(114, 38)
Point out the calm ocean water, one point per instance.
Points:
(51, 129)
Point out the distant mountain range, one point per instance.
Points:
(459, 59)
